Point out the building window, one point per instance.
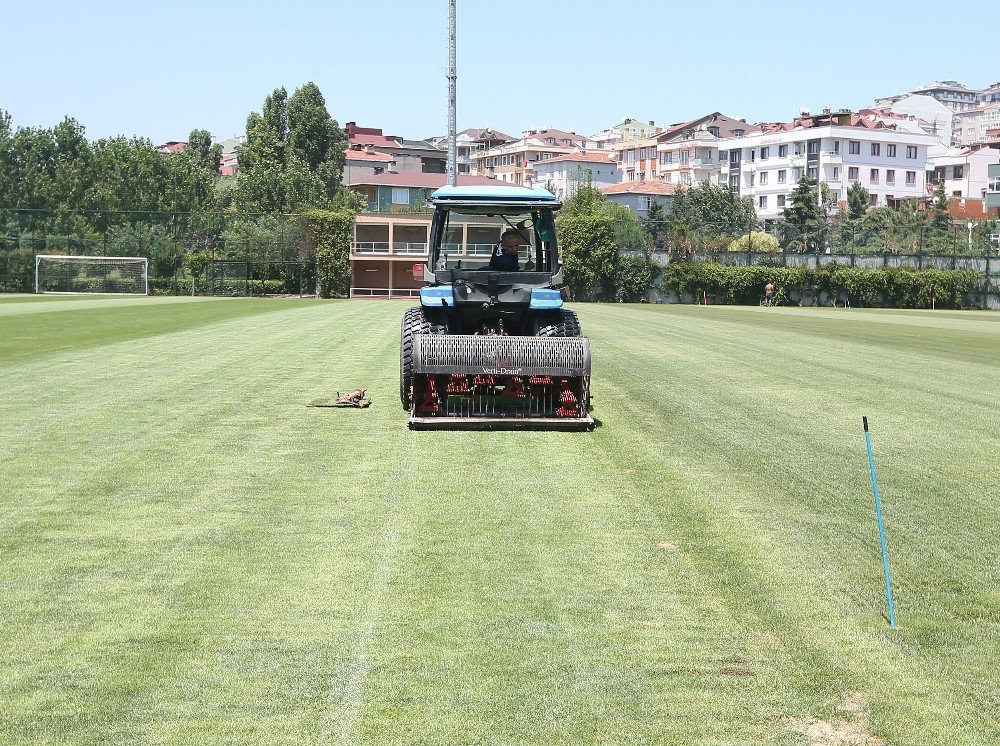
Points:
(738, 133)
(911, 151)
(836, 173)
(763, 178)
(782, 175)
(890, 151)
(911, 178)
(630, 158)
(959, 172)
(852, 173)
(644, 204)
(995, 184)
(873, 176)
(734, 157)
(734, 183)
(686, 178)
(798, 148)
(854, 147)
(749, 179)
(813, 173)
(813, 147)
(781, 200)
(836, 146)
(753, 154)
(668, 177)
(713, 131)
(764, 153)
(873, 200)
(782, 151)
(890, 177)
(722, 156)
(876, 148)
(762, 202)
(642, 154)
(685, 157)
(400, 196)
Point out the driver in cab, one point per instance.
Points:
(505, 255)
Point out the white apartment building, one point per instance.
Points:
(513, 162)
(688, 154)
(564, 173)
(834, 149)
(972, 125)
(965, 171)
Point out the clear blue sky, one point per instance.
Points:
(161, 70)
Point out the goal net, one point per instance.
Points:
(109, 275)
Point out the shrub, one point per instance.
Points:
(331, 233)
(756, 241)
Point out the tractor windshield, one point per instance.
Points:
(468, 240)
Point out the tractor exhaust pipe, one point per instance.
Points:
(452, 105)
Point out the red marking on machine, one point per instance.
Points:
(515, 388)
(567, 398)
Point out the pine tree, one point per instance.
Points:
(859, 200)
(804, 224)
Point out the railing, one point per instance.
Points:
(403, 247)
(385, 293)
(370, 247)
(702, 162)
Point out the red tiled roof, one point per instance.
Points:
(426, 181)
(640, 187)
(171, 147)
(354, 154)
(590, 156)
(381, 141)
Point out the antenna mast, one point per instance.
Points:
(452, 80)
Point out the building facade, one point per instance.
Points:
(964, 171)
(564, 173)
(993, 190)
(639, 196)
(406, 192)
(513, 162)
(973, 126)
(837, 149)
(688, 153)
(410, 156)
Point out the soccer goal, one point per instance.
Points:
(106, 275)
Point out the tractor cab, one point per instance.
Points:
(471, 273)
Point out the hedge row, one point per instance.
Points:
(902, 287)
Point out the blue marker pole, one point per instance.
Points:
(881, 530)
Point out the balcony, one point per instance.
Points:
(832, 158)
(370, 247)
(409, 249)
(703, 162)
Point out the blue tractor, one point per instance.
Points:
(491, 344)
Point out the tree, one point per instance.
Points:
(201, 150)
(713, 209)
(940, 218)
(804, 225)
(315, 137)
(656, 226)
(294, 154)
(757, 241)
(859, 200)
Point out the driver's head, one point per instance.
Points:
(511, 241)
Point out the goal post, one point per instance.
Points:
(103, 275)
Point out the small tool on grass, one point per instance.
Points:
(356, 399)
(881, 529)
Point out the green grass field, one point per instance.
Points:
(191, 555)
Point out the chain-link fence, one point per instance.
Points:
(275, 251)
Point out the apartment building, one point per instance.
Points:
(639, 196)
(972, 126)
(837, 149)
(410, 156)
(688, 153)
(564, 173)
(964, 171)
(513, 162)
(626, 129)
(990, 94)
(471, 141)
(993, 191)
(951, 93)
(363, 162)
(637, 158)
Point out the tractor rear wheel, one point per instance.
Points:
(561, 323)
(416, 320)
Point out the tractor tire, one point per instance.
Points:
(417, 320)
(561, 323)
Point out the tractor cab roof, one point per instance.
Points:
(491, 200)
